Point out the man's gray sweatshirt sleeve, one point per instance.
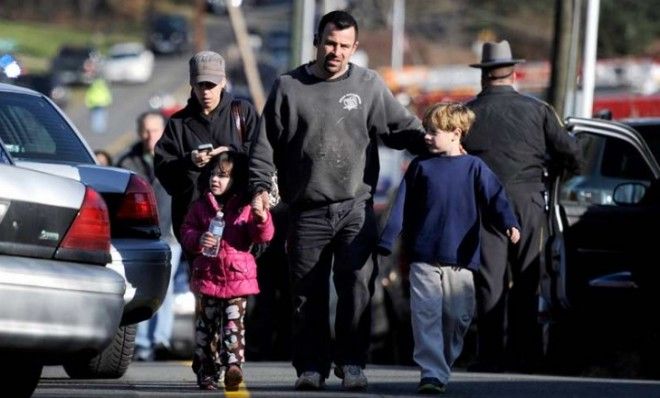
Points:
(396, 126)
(261, 164)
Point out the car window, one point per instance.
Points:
(651, 134)
(170, 23)
(125, 54)
(31, 129)
(608, 163)
(621, 160)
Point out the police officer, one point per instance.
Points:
(518, 137)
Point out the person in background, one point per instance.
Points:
(319, 131)
(103, 158)
(223, 282)
(438, 206)
(98, 98)
(153, 336)
(206, 119)
(519, 138)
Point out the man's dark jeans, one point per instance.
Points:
(339, 236)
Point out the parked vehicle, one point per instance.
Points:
(168, 34)
(219, 7)
(39, 136)
(602, 254)
(76, 64)
(60, 299)
(129, 63)
(183, 330)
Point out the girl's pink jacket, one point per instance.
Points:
(233, 272)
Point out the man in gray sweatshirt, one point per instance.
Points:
(319, 130)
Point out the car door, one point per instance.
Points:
(596, 240)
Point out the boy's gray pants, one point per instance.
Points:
(442, 302)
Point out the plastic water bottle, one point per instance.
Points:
(216, 227)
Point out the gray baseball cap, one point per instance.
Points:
(207, 66)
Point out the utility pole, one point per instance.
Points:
(331, 5)
(570, 104)
(561, 51)
(589, 58)
(398, 32)
(199, 33)
(249, 63)
(302, 33)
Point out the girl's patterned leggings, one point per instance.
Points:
(219, 334)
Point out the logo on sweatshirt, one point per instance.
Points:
(350, 101)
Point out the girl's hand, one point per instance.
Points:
(207, 240)
(259, 208)
(513, 234)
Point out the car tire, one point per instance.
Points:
(20, 377)
(111, 363)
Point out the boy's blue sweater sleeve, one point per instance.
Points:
(394, 223)
(497, 202)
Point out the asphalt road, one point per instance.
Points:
(275, 379)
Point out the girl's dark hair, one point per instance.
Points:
(233, 164)
(341, 19)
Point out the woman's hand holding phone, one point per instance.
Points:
(203, 154)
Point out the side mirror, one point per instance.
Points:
(628, 193)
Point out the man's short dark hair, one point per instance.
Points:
(341, 19)
(497, 73)
(144, 115)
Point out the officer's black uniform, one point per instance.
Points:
(517, 136)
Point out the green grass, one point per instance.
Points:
(37, 43)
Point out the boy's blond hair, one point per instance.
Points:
(447, 116)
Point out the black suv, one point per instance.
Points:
(600, 282)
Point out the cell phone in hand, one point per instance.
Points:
(205, 148)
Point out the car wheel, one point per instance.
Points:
(20, 377)
(111, 363)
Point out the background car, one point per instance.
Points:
(183, 331)
(168, 34)
(60, 298)
(600, 283)
(76, 64)
(219, 7)
(39, 136)
(128, 63)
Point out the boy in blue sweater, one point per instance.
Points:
(437, 211)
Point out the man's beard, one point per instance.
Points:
(330, 68)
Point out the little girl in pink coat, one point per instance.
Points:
(222, 283)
